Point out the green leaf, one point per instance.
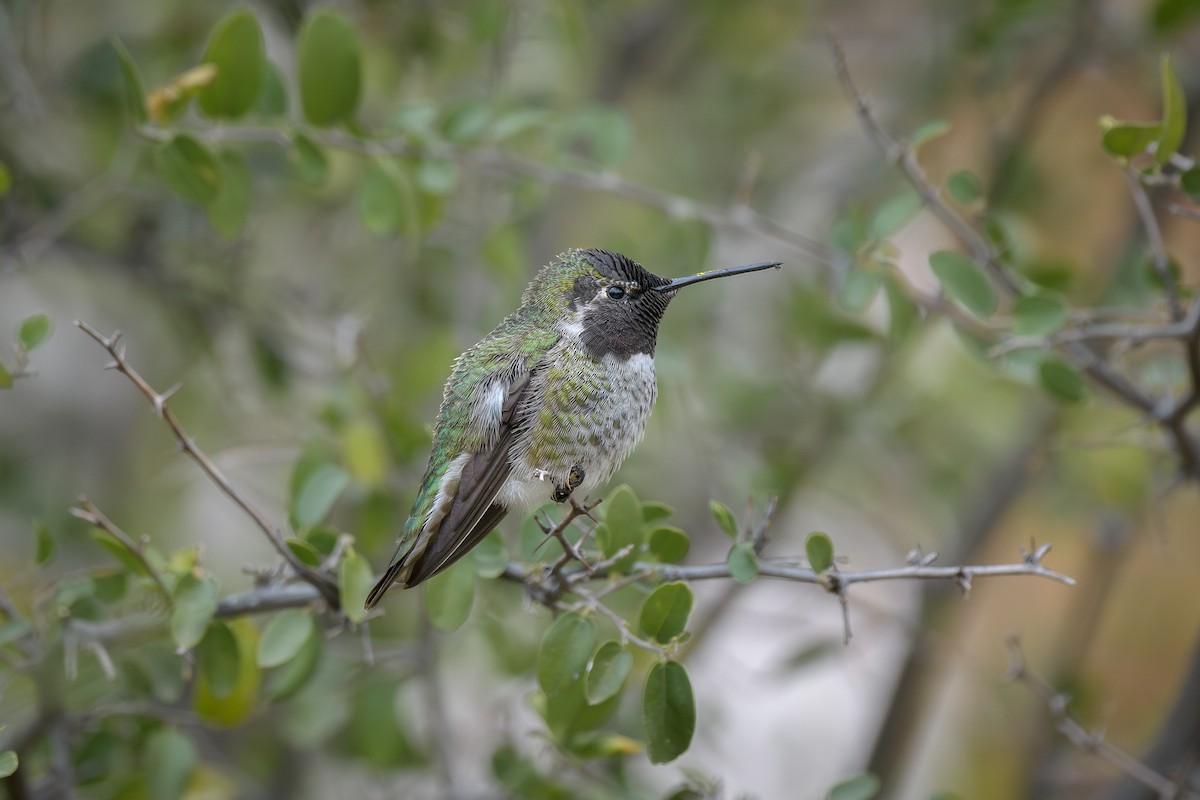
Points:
(8, 763)
(295, 674)
(195, 604)
(668, 712)
(607, 671)
(490, 556)
(654, 511)
(964, 187)
(111, 584)
(355, 580)
(312, 165)
(381, 204)
(329, 67)
(623, 526)
(724, 518)
(284, 636)
(1128, 139)
(317, 494)
(859, 288)
(819, 550)
(449, 594)
(743, 562)
(6, 378)
(903, 314)
(862, 787)
(1174, 123)
(170, 759)
(928, 132)
(1189, 182)
(5, 179)
(236, 50)
(964, 281)
(34, 330)
(228, 210)
(234, 704)
(218, 659)
(466, 120)
(272, 98)
(1038, 314)
(304, 551)
(665, 611)
(437, 175)
(45, 544)
(135, 93)
(894, 214)
(566, 649)
(668, 544)
(118, 551)
(1061, 379)
(189, 168)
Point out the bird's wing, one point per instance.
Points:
(453, 511)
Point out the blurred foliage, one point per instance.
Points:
(304, 212)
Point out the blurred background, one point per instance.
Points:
(687, 135)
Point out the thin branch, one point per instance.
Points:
(324, 584)
(91, 514)
(1158, 249)
(902, 156)
(1089, 741)
(738, 216)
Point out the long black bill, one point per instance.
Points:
(688, 280)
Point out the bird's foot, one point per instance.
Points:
(574, 479)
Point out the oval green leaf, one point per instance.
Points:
(964, 282)
(236, 705)
(34, 330)
(228, 211)
(724, 518)
(927, 132)
(169, 758)
(668, 544)
(668, 712)
(1038, 314)
(189, 168)
(743, 562)
(1061, 380)
(566, 649)
(665, 611)
(195, 604)
(236, 50)
(355, 580)
(894, 214)
(607, 672)
(329, 65)
(294, 675)
(818, 549)
(964, 187)
(284, 636)
(218, 659)
(449, 594)
(8, 763)
(312, 165)
(861, 787)
(380, 202)
(490, 556)
(317, 494)
(135, 92)
(1189, 182)
(1174, 122)
(1125, 140)
(903, 314)
(624, 526)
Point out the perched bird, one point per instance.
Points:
(549, 403)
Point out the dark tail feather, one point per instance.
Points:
(384, 584)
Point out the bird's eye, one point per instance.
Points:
(615, 293)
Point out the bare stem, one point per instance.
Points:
(324, 585)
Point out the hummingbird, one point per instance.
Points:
(549, 403)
